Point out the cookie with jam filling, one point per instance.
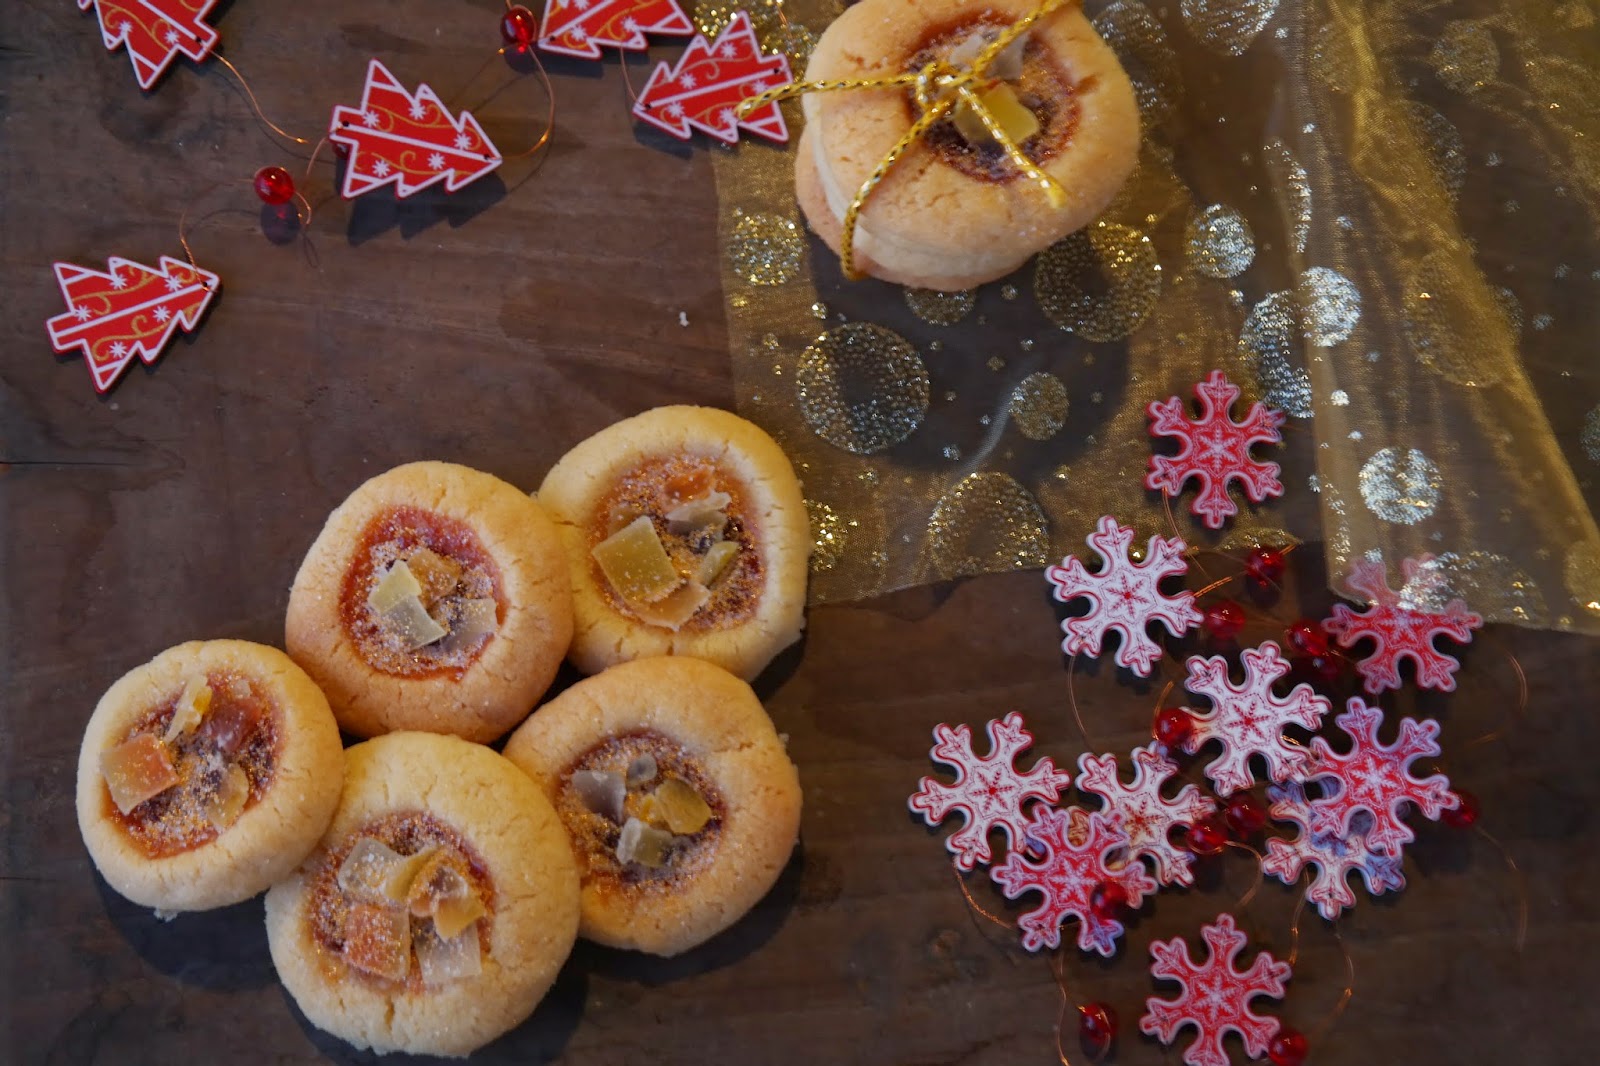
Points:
(954, 212)
(680, 802)
(206, 774)
(436, 598)
(437, 909)
(685, 534)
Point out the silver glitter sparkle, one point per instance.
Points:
(1038, 406)
(1290, 176)
(1401, 486)
(1268, 347)
(1219, 243)
(1590, 437)
(1330, 306)
(862, 388)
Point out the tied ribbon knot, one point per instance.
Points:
(938, 88)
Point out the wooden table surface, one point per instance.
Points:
(496, 327)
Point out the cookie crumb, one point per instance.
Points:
(683, 318)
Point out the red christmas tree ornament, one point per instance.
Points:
(1265, 566)
(274, 185)
(704, 90)
(1208, 836)
(155, 32)
(1067, 879)
(1215, 449)
(1334, 855)
(580, 27)
(1216, 994)
(1398, 628)
(1173, 726)
(130, 311)
(990, 792)
(1147, 816)
(1223, 620)
(1248, 719)
(1288, 1048)
(1097, 1026)
(1245, 815)
(1305, 637)
(1376, 778)
(407, 139)
(1124, 596)
(519, 28)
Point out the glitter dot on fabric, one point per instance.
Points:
(1465, 56)
(1590, 437)
(1243, 539)
(1447, 155)
(765, 249)
(1582, 574)
(1219, 242)
(1100, 283)
(1290, 177)
(1491, 585)
(1401, 486)
(1330, 306)
(1227, 27)
(987, 523)
(1449, 327)
(940, 308)
(1269, 348)
(1039, 406)
(1141, 45)
(862, 388)
(827, 535)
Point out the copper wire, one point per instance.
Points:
(255, 104)
(183, 217)
(1522, 706)
(1255, 885)
(1072, 699)
(622, 61)
(1172, 524)
(1521, 885)
(977, 907)
(1349, 991)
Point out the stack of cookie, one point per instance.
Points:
(423, 891)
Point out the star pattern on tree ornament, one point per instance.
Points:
(1124, 596)
(1145, 814)
(989, 791)
(1215, 449)
(1074, 865)
(1397, 628)
(1335, 855)
(1216, 994)
(1376, 778)
(1249, 719)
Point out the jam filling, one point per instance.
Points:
(1044, 88)
(404, 901)
(661, 784)
(218, 765)
(712, 574)
(456, 587)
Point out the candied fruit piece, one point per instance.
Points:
(636, 564)
(475, 620)
(716, 560)
(191, 707)
(454, 914)
(436, 574)
(601, 791)
(399, 583)
(708, 512)
(690, 484)
(136, 770)
(229, 727)
(642, 770)
(444, 960)
(410, 621)
(643, 844)
(676, 609)
(441, 892)
(1008, 112)
(1006, 65)
(373, 872)
(681, 809)
(227, 803)
(377, 941)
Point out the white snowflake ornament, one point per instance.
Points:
(1215, 450)
(1145, 814)
(1124, 596)
(1398, 628)
(1376, 778)
(1075, 864)
(1216, 996)
(1335, 855)
(990, 792)
(1248, 719)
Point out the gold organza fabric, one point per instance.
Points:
(1379, 217)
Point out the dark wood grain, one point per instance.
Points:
(496, 328)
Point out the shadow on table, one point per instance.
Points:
(224, 949)
(380, 210)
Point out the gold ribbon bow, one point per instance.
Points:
(938, 88)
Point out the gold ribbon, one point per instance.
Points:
(938, 88)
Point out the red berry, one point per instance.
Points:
(1097, 1025)
(1173, 726)
(1464, 816)
(1264, 565)
(519, 27)
(1245, 815)
(1223, 620)
(1208, 836)
(1288, 1048)
(274, 185)
(1305, 637)
(1108, 900)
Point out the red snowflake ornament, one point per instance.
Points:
(1248, 719)
(1143, 812)
(1215, 450)
(1124, 596)
(1376, 778)
(1335, 855)
(710, 81)
(1398, 630)
(580, 27)
(990, 792)
(407, 140)
(1074, 865)
(130, 311)
(1216, 996)
(155, 32)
